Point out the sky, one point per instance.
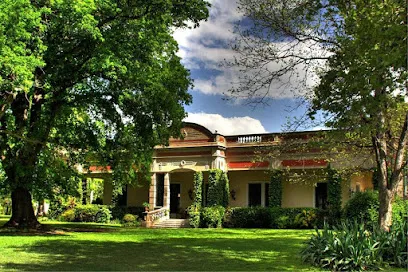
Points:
(202, 50)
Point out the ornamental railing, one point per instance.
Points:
(155, 215)
(249, 139)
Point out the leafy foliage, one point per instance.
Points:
(212, 217)
(352, 247)
(198, 189)
(358, 58)
(101, 83)
(92, 213)
(263, 217)
(333, 196)
(218, 188)
(194, 216)
(275, 189)
(363, 207)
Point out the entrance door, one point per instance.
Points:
(174, 197)
(321, 195)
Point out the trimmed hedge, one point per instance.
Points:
(119, 211)
(92, 213)
(263, 217)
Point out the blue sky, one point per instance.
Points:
(202, 50)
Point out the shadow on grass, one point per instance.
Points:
(57, 228)
(170, 254)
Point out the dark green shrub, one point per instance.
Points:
(103, 215)
(247, 217)
(68, 216)
(212, 217)
(119, 211)
(275, 189)
(363, 207)
(333, 196)
(57, 207)
(262, 217)
(92, 213)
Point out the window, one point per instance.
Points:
(321, 196)
(254, 194)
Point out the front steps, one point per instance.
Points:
(172, 224)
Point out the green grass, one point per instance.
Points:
(99, 247)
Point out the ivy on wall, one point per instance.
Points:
(198, 189)
(225, 189)
(218, 188)
(333, 195)
(275, 188)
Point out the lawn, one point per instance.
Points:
(99, 247)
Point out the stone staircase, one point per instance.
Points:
(172, 223)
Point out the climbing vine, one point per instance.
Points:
(333, 195)
(275, 188)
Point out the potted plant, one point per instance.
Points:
(146, 205)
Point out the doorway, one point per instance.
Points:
(175, 191)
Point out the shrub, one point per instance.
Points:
(275, 189)
(363, 207)
(348, 248)
(130, 220)
(212, 217)
(214, 194)
(399, 210)
(119, 211)
(248, 217)
(194, 216)
(393, 245)
(352, 247)
(306, 219)
(68, 215)
(103, 215)
(92, 213)
(262, 217)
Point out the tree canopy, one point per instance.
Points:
(87, 81)
(347, 59)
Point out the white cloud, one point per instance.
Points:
(226, 126)
(207, 46)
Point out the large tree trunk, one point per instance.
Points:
(385, 210)
(22, 212)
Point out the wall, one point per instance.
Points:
(136, 195)
(298, 194)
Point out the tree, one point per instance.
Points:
(357, 53)
(101, 84)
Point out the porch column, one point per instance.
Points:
(152, 193)
(166, 196)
